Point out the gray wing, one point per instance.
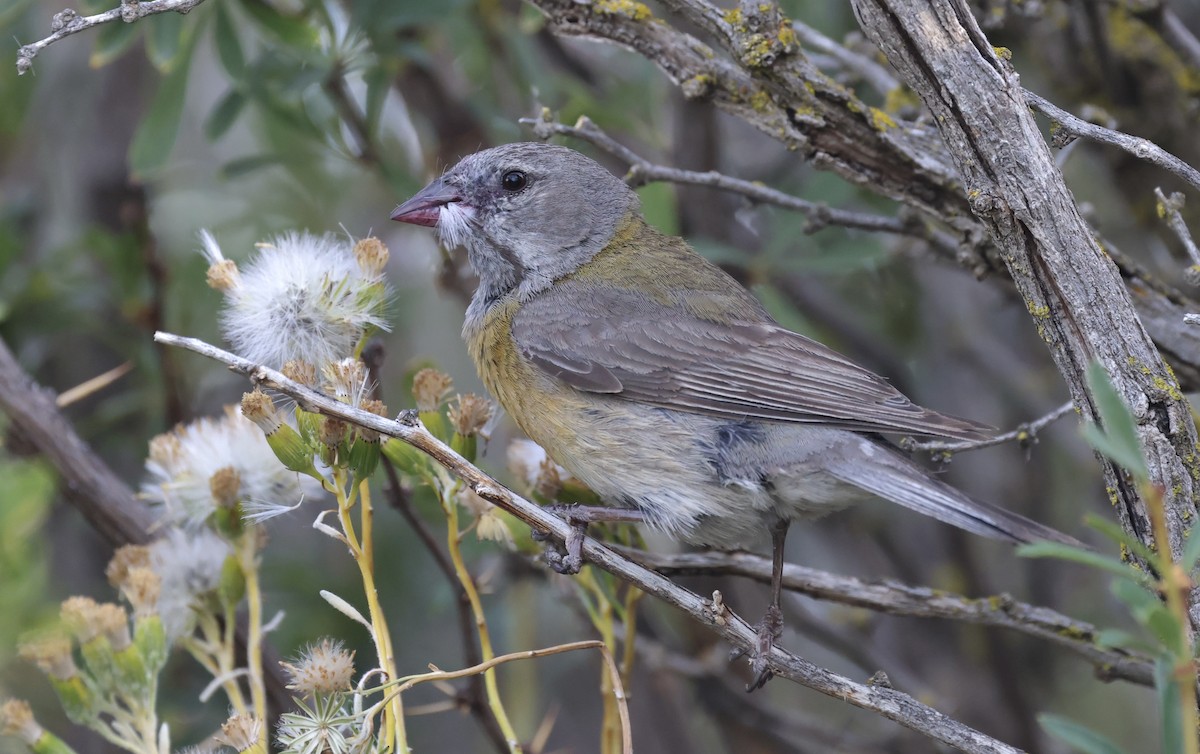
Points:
(614, 342)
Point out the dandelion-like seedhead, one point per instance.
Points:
(301, 296)
(188, 564)
(324, 668)
(194, 463)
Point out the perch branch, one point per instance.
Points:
(895, 598)
(1025, 433)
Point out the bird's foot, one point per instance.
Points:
(768, 630)
(566, 558)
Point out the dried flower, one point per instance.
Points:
(430, 387)
(52, 655)
(125, 559)
(301, 296)
(470, 414)
(242, 732)
(16, 719)
(322, 668)
(488, 524)
(188, 563)
(529, 462)
(183, 463)
(371, 255)
(300, 371)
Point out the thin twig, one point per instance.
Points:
(880, 78)
(1169, 209)
(68, 22)
(642, 171)
(94, 385)
(887, 702)
(1135, 145)
(1025, 433)
(610, 665)
(895, 598)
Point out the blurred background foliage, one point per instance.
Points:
(250, 117)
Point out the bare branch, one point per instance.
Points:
(887, 702)
(642, 171)
(895, 598)
(68, 22)
(1135, 145)
(1025, 433)
(1169, 209)
(879, 78)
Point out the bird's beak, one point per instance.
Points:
(424, 208)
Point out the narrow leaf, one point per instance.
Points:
(1078, 737)
(1119, 439)
(1168, 701)
(1113, 531)
(156, 135)
(1084, 557)
(1191, 551)
(224, 114)
(229, 47)
(111, 43)
(164, 40)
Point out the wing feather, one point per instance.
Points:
(613, 341)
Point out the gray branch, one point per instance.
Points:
(1169, 209)
(887, 702)
(68, 22)
(1070, 286)
(1026, 433)
(895, 598)
(1143, 149)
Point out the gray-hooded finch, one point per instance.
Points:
(660, 382)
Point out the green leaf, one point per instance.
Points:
(111, 43)
(229, 47)
(1118, 440)
(1115, 638)
(156, 135)
(246, 165)
(1149, 611)
(1113, 531)
(379, 84)
(1078, 737)
(1083, 557)
(164, 41)
(292, 31)
(1191, 551)
(1168, 703)
(224, 114)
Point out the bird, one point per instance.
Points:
(660, 382)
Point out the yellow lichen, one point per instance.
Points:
(625, 8)
(1136, 41)
(880, 120)
(760, 101)
(899, 98)
(1003, 53)
(1041, 311)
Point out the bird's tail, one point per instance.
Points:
(897, 479)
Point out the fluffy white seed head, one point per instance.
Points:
(183, 462)
(302, 296)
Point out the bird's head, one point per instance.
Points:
(527, 213)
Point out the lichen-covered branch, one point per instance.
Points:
(887, 702)
(1071, 288)
(68, 22)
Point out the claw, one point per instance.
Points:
(768, 629)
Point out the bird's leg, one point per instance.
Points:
(770, 627)
(570, 559)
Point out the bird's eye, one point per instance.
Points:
(514, 180)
